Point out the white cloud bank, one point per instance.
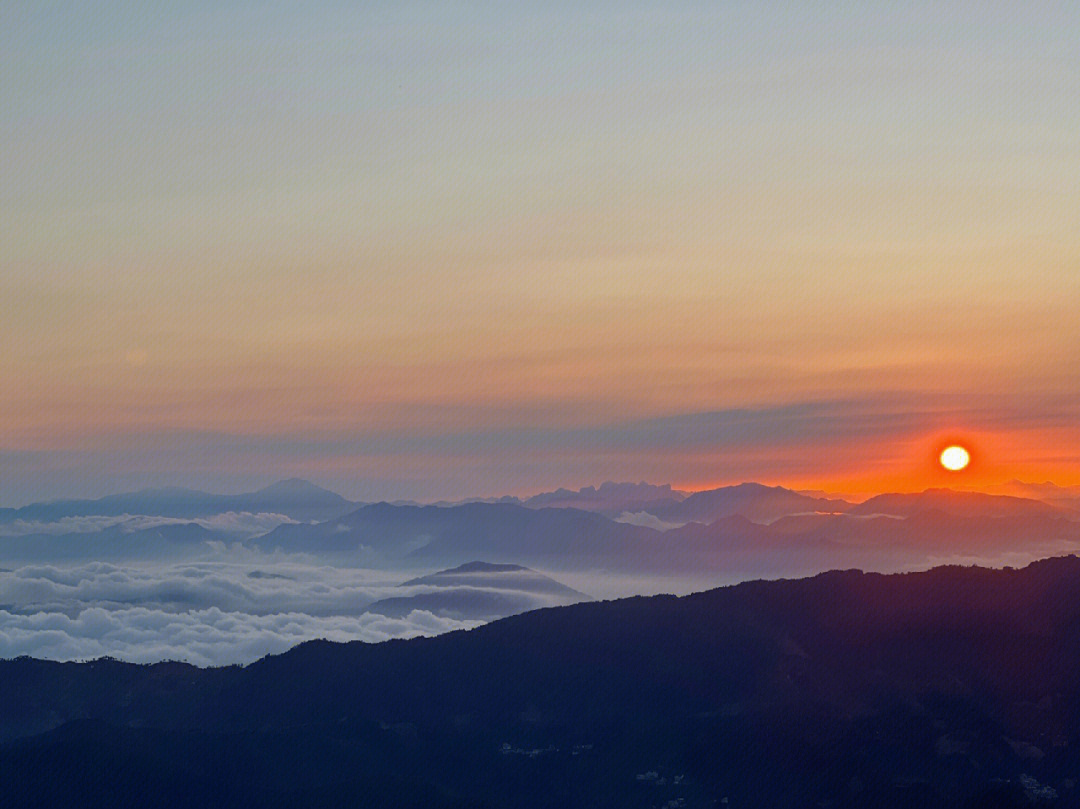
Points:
(644, 519)
(209, 637)
(207, 613)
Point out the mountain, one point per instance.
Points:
(754, 501)
(725, 549)
(574, 541)
(611, 499)
(965, 504)
(479, 591)
(958, 687)
(296, 499)
(294, 495)
(1063, 496)
(503, 577)
(808, 543)
(109, 543)
(426, 535)
(504, 499)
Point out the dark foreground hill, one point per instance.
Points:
(951, 688)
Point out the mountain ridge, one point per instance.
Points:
(847, 687)
(295, 497)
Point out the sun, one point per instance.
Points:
(955, 458)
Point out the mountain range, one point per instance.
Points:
(295, 498)
(610, 499)
(792, 533)
(956, 687)
(963, 504)
(726, 533)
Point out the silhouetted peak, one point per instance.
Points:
(955, 502)
(484, 567)
(481, 570)
(297, 487)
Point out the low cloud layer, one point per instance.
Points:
(207, 613)
(204, 637)
(646, 520)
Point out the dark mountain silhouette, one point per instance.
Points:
(754, 501)
(964, 504)
(479, 591)
(294, 498)
(954, 687)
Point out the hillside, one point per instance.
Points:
(931, 689)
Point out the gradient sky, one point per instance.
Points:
(437, 250)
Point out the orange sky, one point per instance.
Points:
(436, 253)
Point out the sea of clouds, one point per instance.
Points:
(214, 612)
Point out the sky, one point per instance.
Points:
(439, 249)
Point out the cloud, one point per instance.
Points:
(204, 637)
(794, 441)
(295, 587)
(646, 520)
(209, 613)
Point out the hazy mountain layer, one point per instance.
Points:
(964, 504)
(297, 499)
(754, 501)
(733, 545)
(610, 498)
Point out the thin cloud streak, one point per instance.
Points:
(807, 442)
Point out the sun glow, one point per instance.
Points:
(955, 458)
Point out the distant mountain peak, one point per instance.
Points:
(483, 567)
(479, 591)
(755, 501)
(906, 504)
(162, 490)
(298, 488)
(493, 575)
(745, 486)
(761, 487)
(293, 485)
(609, 497)
(454, 574)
